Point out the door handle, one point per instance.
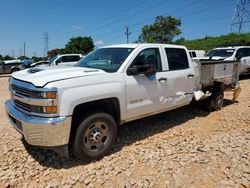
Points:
(190, 76)
(162, 79)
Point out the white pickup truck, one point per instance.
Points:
(240, 53)
(82, 106)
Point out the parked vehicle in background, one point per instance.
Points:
(65, 59)
(10, 66)
(241, 53)
(82, 106)
(196, 53)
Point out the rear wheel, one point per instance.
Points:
(217, 100)
(94, 136)
(214, 102)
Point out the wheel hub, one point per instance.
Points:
(95, 135)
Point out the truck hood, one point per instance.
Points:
(40, 76)
(209, 58)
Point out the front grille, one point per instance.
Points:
(22, 105)
(21, 91)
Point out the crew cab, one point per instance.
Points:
(65, 59)
(10, 66)
(241, 53)
(81, 107)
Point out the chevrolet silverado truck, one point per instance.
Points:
(81, 107)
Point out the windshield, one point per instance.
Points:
(52, 59)
(107, 59)
(220, 53)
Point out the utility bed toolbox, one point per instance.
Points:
(226, 72)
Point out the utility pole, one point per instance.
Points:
(24, 49)
(241, 18)
(13, 53)
(127, 33)
(46, 44)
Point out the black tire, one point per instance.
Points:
(217, 100)
(214, 102)
(94, 136)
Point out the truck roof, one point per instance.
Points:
(140, 44)
(231, 47)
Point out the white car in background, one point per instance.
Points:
(194, 54)
(233, 53)
(65, 59)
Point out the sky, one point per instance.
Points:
(27, 21)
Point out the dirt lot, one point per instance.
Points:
(186, 147)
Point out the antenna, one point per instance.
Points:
(46, 44)
(127, 33)
(241, 17)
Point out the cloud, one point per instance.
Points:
(77, 27)
(99, 42)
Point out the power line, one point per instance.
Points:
(129, 16)
(145, 20)
(111, 35)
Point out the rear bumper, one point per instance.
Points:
(39, 131)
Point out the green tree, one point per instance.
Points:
(1, 57)
(23, 57)
(208, 42)
(7, 57)
(55, 52)
(80, 45)
(163, 30)
(36, 59)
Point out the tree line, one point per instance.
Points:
(165, 29)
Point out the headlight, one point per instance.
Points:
(45, 109)
(44, 95)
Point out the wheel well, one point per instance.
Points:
(14, 69)
(109, 105)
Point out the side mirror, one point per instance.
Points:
(239, 56)
(133, 71)
(146, 69)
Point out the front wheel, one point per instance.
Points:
(95, 136)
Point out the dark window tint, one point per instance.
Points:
(149, 56)
(243, 52)
(193, 54)
(70, 58)
(177, 58)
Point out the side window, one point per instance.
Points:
(177, 58)
(239, 54)
(193, 54)
(59, 60)
(247, 52)
(149, 56)
(75, 58)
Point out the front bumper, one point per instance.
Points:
(40, 131)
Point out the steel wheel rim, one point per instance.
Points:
(220, 101)
(96, 136)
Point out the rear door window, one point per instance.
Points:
(177, 58)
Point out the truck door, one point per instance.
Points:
(144, 92)
(180, 78)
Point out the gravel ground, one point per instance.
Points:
(186, 147)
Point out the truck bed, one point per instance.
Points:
(226, 72)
